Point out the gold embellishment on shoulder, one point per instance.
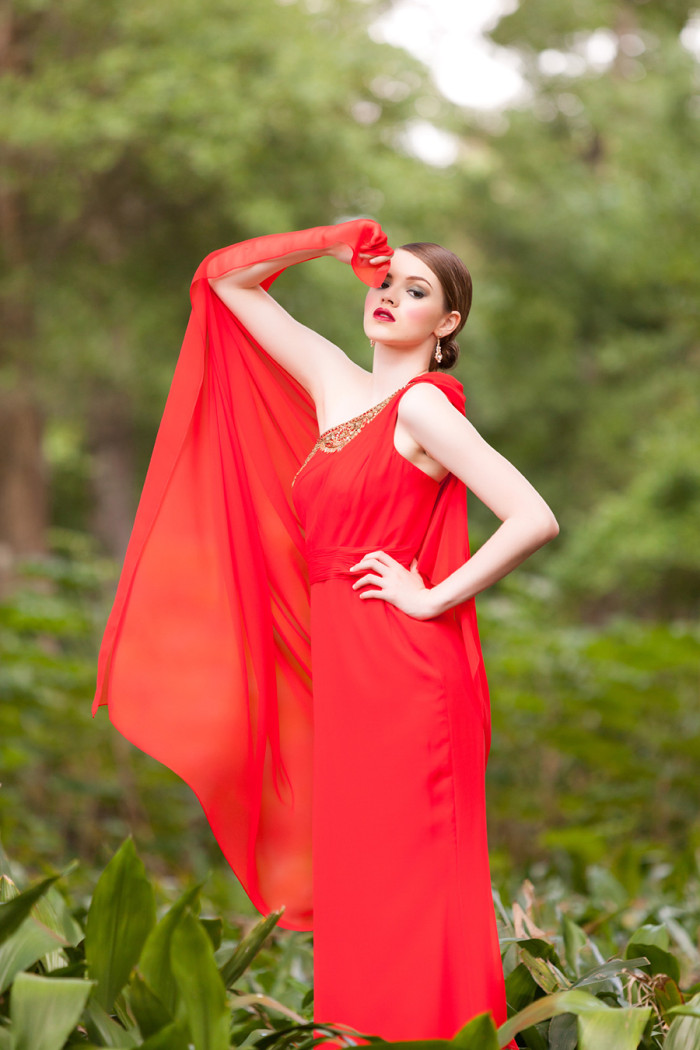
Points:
(338, 437)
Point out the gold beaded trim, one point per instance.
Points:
(338, 437)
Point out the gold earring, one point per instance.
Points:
(371, 343)
(438, 352)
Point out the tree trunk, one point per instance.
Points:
(110, 431)
(23, 501)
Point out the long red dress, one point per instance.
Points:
(358, 806)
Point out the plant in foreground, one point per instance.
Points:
(126, 978)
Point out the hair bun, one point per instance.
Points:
(450, 354)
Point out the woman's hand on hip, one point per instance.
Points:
(388, 580)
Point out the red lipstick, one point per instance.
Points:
(380, 314)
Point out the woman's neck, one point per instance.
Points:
(391, 371)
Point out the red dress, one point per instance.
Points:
(360, 807)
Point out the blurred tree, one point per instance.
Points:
(136, 137)
(585, 204)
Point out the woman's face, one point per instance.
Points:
(409, 308)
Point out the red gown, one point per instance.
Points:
(360, 806)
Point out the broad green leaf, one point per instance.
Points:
(575, 940)
(121, 915)
(25, 947)
(103, 1030)
(44, 1011)
(53, 912)
(660, 960)
(174, 1037)
(154, 963)
(668, 996)
(606, 1028)
(239, 961)
(15, 911)
(563, 1032)
(651, 934)
(151, 1016)
(214, 930)
(684, 1033)
(521, 989)
(541, 973)
(479, 1034)
(8, 889)
(612, 968)
(201, 988)
(538, 948)
(569, 1002)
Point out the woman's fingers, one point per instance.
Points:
(369, 578)
(373, 560)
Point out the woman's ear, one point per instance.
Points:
(448, 325)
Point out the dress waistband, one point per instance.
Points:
(329, 563)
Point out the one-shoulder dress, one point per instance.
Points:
(338, 746)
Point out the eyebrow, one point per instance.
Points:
(415, 277)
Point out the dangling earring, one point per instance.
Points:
(438, 352)
(371, 343)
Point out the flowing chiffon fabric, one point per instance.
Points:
(358, 807)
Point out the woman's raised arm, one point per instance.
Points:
(317, 363)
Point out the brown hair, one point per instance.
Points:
(456, 283)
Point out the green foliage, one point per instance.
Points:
(43, 1012)
(126, 982)
(583, 363)
(594, 758)
(596, 744)
(121, 915)
(562, 992)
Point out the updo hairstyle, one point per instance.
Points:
(456, 283)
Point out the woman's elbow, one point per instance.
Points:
(548, 526)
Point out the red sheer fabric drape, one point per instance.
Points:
(205, 661)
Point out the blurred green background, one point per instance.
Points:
(137, 136)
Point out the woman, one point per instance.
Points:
(206, 660)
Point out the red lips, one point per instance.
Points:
(380, 314)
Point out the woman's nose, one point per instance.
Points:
(387, 298)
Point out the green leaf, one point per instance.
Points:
(684, 1033)
(575, 940)
(103, 1030)
(151, 1016)
(214, 930)
(201, 988)
(659, 960)
(521, 989)
(668, 996)
(154, 963)
(479, 1034)
(44, 1011)
(563, 1032)
(540, 971)
(121, 915)
(25, 947)
(569, 1002)
(650, 934)
(53, 912)
(173, 1037)
(15, 911)
(238, 962)
(612, 968)
(607, 1028)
